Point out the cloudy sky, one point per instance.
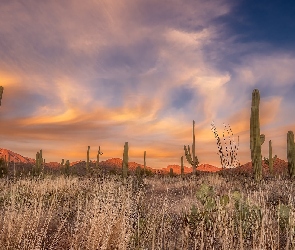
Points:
(103, 72)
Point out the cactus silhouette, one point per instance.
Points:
(291, 154)
(191, 156)
(181, 167)
(87, 162)
(97, 157)
(144, 163)
(270, 159)
(256, 140)
(1, 93)
(125, 161)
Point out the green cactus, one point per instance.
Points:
(191, 157)
(206, 195)
(1, 93)
(67, 168)
(284, 215)
(62, 162)
(181, 167)
(39, 163)
(97, 157)
(87, 161)
(125, 161)
(203, 192)
(291, 154)
(256, 140)
(270, 159)
(144, 162)
(171, 174)
(224, 200)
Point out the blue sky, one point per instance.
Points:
(100, 73)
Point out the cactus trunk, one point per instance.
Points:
(181, 167)
(191, 156)
(256, 140)
(270, 158)
(171, 172)
(1, 93)
(97, 158)
(125, 161)
(144, 163)
(87, 162)
(291, 154)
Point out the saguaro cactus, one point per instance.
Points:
(291, 154)
(67, 168)
(97, 157)
(41, 157)
(256, 140)
(39, 161)
(270, 159)
(191, 156)
(171, 172)
(125, 161)
(62, 162)
(87, 162)
(1, 93)
(181, 166)
(144, 163)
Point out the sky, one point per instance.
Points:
(105, 72)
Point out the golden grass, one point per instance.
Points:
(166, 213)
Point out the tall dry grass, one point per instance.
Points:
(204, 212)
(66, 213)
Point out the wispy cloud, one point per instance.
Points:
(105, 72)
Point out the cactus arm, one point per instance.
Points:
(188, 155)
(262, 139)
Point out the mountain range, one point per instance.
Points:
(280, 166)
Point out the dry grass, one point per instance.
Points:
(205, 212)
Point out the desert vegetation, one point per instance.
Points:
(92, 206)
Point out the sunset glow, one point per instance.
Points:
(101, 73)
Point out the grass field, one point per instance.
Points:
(209, 211)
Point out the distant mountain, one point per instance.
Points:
(117, 163)
(187, 170)
(14, 157)
(280, 166)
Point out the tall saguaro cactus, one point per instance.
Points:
(87, 162)
(291, 153)
(270, 159)
(97, 157)
(181, 167)
(144, 163)
(125, 161)
(1, 93)
(256, 140)
(191, 156)
(39, 161)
